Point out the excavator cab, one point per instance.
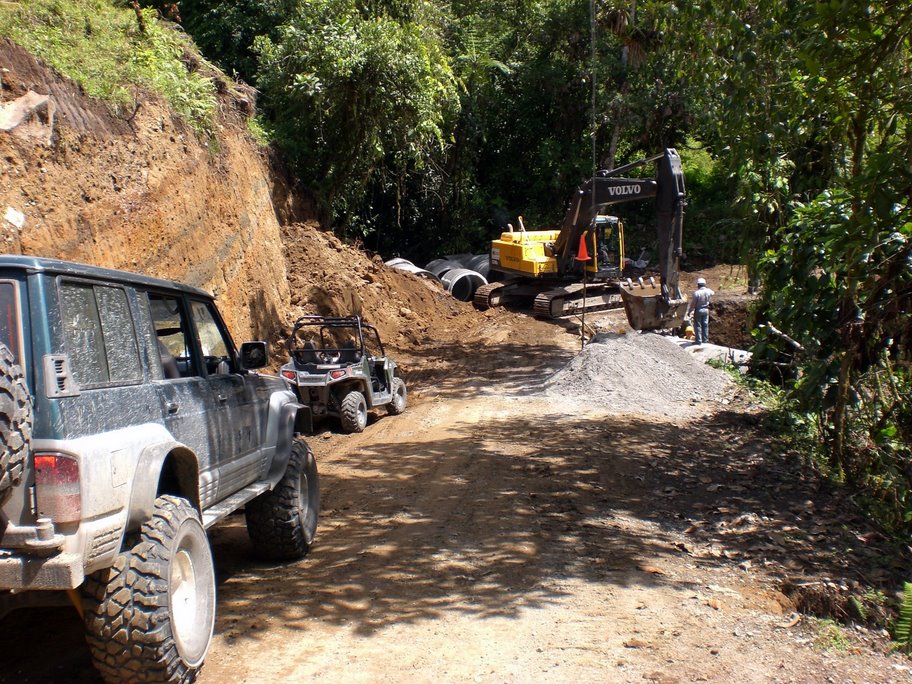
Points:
(607, 238)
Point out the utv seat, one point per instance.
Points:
(306, 354)
(350, 352)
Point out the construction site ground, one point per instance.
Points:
(499, 532)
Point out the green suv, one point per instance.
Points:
(130, 424)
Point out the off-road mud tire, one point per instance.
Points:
(282, 523)
(15, 422)
(149, 618)
(353, 412)
(400, 397)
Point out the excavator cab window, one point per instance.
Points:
(607, 239)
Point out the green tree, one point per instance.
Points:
(357, 96)
(808, 105)
(225, 30)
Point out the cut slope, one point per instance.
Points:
(142, 194)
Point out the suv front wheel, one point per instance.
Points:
(149, 617)
(282, 523)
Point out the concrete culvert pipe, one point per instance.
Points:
(462, 283)
(405, 265)
(395, 263)
(440, 266)
(480, 263)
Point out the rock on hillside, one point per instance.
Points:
(138, 192)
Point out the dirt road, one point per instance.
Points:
(486, 536)
(494, 534)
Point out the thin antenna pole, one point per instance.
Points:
(592, 76)
(592, 136)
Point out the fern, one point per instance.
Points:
(902, 633)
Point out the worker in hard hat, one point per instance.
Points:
(699, 307)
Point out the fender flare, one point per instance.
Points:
(149, 469)
(286, 418)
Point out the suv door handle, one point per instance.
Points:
(172, 407)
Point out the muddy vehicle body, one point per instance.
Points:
(338, 368)
(131, 423)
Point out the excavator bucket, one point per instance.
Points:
(650, 305)
(648, 309)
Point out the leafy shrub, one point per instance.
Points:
(102, 48)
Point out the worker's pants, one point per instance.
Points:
(701, 325)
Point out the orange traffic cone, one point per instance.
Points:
(583, 252)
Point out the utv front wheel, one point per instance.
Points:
(282, 523)
(149, 617)
(353, 412)
(400, 395)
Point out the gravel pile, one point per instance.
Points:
(638, 373)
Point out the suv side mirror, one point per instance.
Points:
(253, 355)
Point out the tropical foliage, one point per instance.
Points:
(424, 126)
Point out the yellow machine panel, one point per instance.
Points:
(526, 252)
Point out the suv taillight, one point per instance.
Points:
(57, 487)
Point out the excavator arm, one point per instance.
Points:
(647, 305)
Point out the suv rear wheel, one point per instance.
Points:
(353, 412)
(15, 422)
(149, 617)
(282, 523)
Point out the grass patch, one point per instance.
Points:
(101, 47)
(830, 636)
(259, 130)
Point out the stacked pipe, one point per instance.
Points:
(461, 274)
(406, 265)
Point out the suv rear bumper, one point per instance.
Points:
(22, 572)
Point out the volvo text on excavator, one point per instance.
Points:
(547, 264)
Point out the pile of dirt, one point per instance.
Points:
(328, 277)
(638, 373)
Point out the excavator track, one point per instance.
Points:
(488, 296)
(497, 293)
(567, 300)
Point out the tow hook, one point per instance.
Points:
(45, 542)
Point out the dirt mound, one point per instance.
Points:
(638, 374)
(328, 277)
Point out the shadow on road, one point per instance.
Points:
(498, 515)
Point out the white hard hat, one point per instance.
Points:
(701, 281)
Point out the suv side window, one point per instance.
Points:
(9, 318)
(171, 328)
(100, 336)
(212, 339)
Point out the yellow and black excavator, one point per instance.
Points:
(556, 268)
